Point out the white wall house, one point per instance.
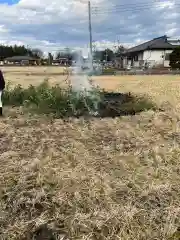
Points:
(154, 53)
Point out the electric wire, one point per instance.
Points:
(133, 8)
(121, 6)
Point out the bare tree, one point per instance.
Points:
(120, 50)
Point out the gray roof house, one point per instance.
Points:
(20, 58)
(154, 52)
(156, 43)
(23, 60)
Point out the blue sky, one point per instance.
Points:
(10, 2)
(55, 24)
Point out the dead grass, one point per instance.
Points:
(93, 179)
(33, 75)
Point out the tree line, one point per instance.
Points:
(15, 50)
(10, 51)
(109, 55)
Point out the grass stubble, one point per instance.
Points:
(91, 179)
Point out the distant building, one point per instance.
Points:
(21, 60)
(61, 61)
(154, 53)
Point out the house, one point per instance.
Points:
(61, 61)
(21, 60)
(154, 53)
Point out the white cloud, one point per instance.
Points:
(163, 5)
(54, 24)
(3, 29)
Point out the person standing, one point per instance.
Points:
(2, 86)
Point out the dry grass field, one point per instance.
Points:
(32, 75)
(93, 179)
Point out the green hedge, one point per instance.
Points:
(51, 99)
(54, 100)
(109, 71)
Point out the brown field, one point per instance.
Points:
(92, 179)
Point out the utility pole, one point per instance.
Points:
(95, 57)
(106, 55)
(90, 32)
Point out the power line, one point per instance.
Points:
(133, 8)
(131, 4)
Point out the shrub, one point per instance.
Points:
(50, 99)
(109, 71)
(60, 102)
(174, 58)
